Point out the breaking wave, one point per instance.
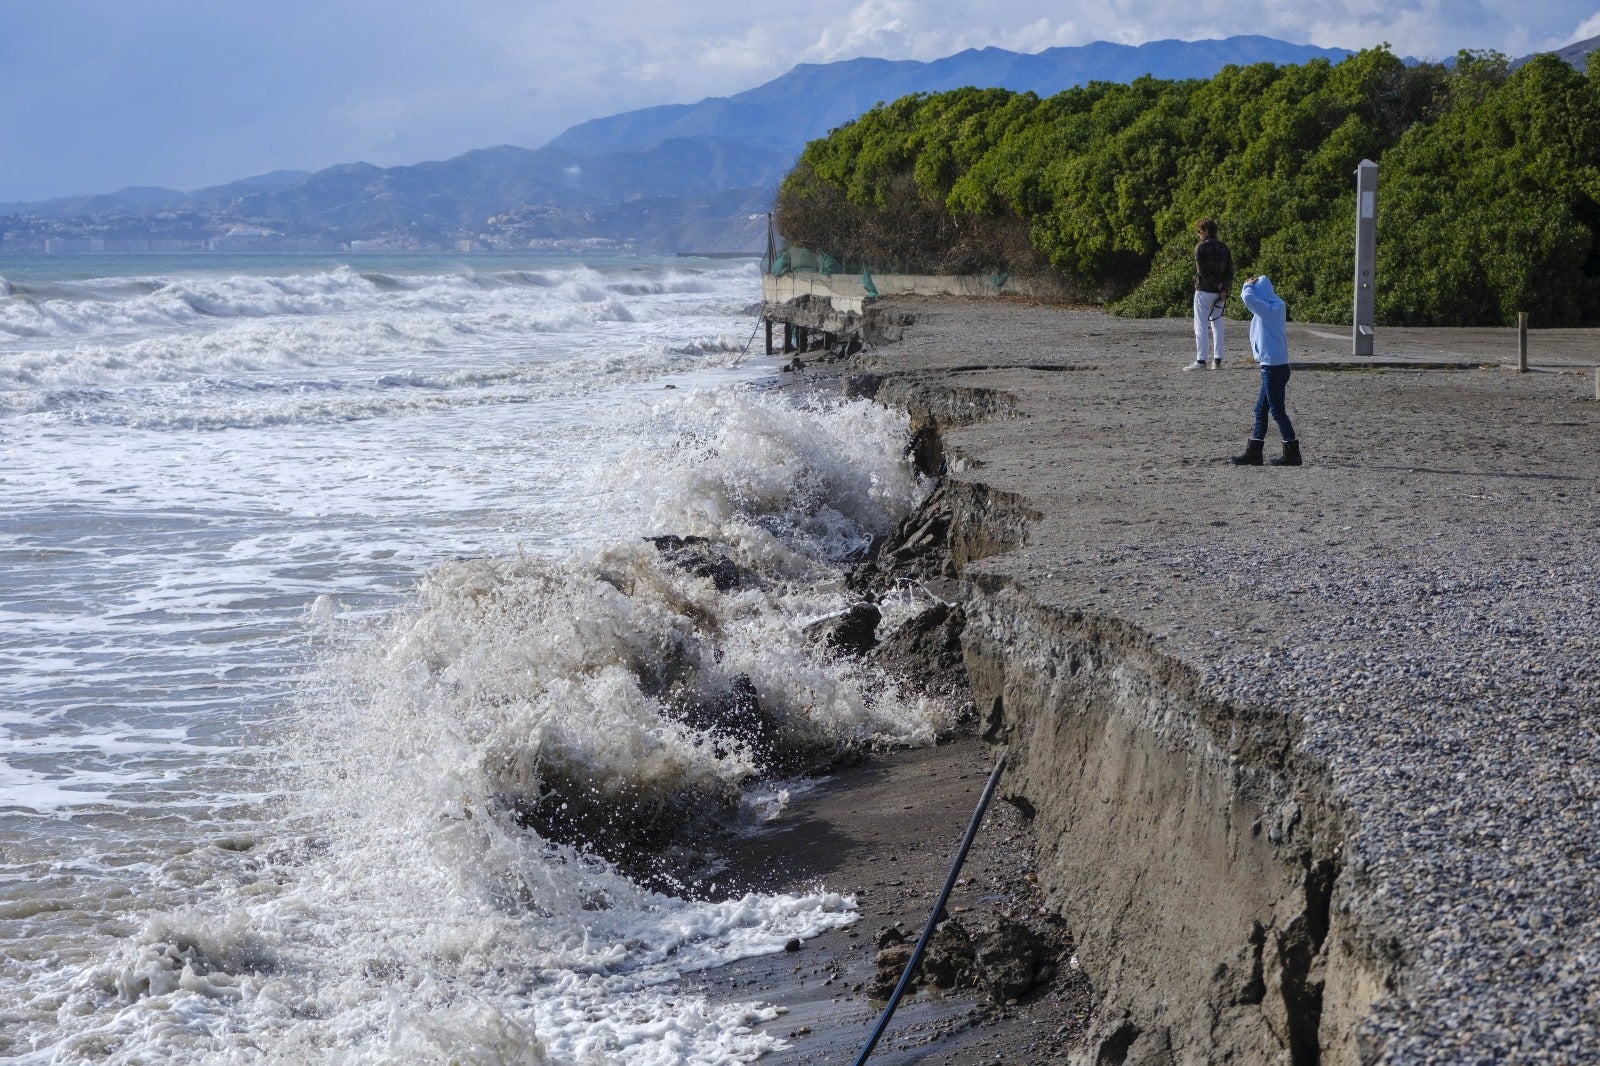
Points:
(432, 881)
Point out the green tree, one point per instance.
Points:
(1490, 198)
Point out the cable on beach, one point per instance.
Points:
(938, 908)
(746, 349)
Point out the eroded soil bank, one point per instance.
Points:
(1309, 753)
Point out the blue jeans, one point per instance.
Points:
(1274, 379)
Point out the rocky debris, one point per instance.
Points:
(919, 546)
(863, 386)
(1001, 956)
(894, 951)
(700, 557)
(1009, 958)
(853, 631)
(728, 718)
(948, 962)
(926, 651)
(916, 551)
(640, 835)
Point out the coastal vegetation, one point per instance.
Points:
(1489, 194)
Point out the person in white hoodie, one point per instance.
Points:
(1269, 343)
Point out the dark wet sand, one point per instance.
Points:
(887, 831)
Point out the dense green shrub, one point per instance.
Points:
(1489, 197)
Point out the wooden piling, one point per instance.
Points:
(768, 320)
(1522, 342)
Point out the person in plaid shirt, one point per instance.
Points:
(1213, 277)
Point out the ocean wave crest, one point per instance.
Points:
(108, 306)
(615, 693)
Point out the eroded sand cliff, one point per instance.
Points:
(1310, 753)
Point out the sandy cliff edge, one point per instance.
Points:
(1306, 751)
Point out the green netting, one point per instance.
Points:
(793, 259)
(796, 259)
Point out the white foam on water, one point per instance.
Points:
(180, 487)
(466, 300)
(358, 875)
(42, 793)
(324, 347)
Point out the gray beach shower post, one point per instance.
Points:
(1366, 253)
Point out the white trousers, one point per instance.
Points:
(1207, 318)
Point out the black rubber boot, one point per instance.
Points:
(1252, 455)
(1290, 456)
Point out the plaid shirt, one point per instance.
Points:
(1213, 266)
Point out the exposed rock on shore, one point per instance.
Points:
(926, 651)
(757, 733)
(699, 557)
(1003, 957)
(853, 631)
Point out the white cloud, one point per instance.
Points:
(245, 88)
(1589, 27)
(875, 28)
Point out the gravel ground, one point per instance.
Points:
(1424, 594)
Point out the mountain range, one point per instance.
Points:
(680, 177)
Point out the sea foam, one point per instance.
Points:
(381, 869)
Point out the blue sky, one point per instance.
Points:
(102, 94)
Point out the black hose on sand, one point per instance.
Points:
(938, 908)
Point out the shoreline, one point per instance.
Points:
(1404, 625)
(890, 827)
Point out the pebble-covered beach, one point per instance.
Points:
(1423, 595)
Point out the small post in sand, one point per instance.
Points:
(1522, 342)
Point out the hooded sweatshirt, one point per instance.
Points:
(1269, 338)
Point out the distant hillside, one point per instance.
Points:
(456, 192)
(1576, 53)
(647, 180)
(813, 98)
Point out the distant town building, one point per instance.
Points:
(73, 245)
